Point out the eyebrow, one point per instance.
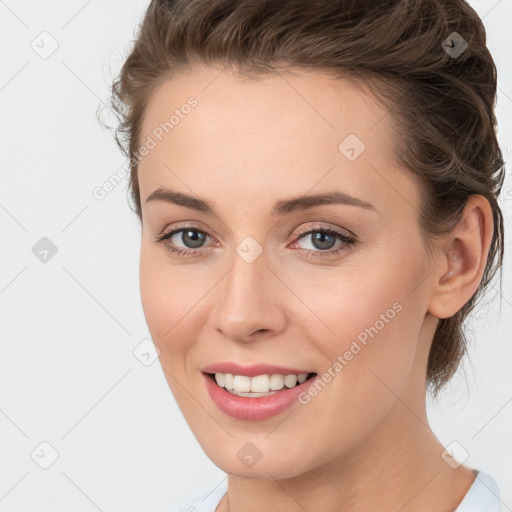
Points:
(281, 207)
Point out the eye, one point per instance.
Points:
(191, 237)
(323, 240)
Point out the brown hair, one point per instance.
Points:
(442, 104)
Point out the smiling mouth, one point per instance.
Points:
(261, 385)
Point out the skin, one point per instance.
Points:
(364, 441)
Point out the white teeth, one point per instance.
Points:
(241, 383)
(259, 385)
(276, 382)
(219, 377)
(228, 380)
(290, 381)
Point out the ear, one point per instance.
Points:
(461, 262)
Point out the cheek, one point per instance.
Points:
(175, 301)
(370, 352)
(166, 298)
(373, 324)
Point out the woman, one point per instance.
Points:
(317, 185)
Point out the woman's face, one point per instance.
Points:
(251, 286)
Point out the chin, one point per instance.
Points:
(249, 461)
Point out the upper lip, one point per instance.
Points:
(251, 370)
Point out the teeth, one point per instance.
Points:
(241, 383)
(290, 381)
(260, 385)
(219, 377)
(276, 382)
(228, 380)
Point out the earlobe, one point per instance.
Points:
(462, 261)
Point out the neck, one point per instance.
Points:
(398, 467)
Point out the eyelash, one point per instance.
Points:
(347, 241)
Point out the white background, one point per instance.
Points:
(68, 375)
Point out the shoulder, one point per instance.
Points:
(483, 495)
(208, 501)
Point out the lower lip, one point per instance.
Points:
(258, 408)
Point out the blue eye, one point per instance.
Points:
(324, 239)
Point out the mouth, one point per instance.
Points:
(258, 397)
(259, 385)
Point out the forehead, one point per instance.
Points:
(274, 136)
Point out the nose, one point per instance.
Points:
(249, 304)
